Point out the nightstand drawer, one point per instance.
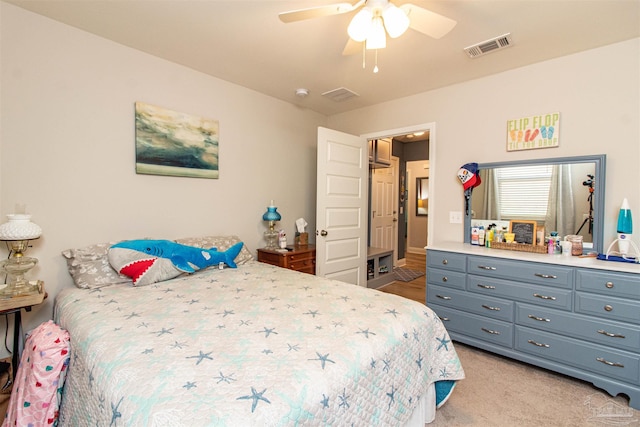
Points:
(302, 258)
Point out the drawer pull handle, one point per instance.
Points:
(446, 298)
(488, 307)
(608, 308)
(539, 319)
(544, 297)
(609, 285)
(609, 334)
(486, 286)
(537, 344)
(445, 279)
(606, 362)
(445, 262)
(444, 319)
(546, 276)
(490, 331)
(486, 267)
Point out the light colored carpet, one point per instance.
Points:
(500, 392)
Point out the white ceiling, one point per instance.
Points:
(245, 42)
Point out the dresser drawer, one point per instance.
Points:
(447, 260)
(611, 334)
(608, 307)
(521, 271)
(608, 283)
(541, 295)
(493, 331)
(595, 358)
(437, 276)
(479, 304)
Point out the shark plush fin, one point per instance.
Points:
(231, 254)
(182, 264)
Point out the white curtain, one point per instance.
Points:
(490, 196)
(561, 208)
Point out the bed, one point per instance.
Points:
(253, 345)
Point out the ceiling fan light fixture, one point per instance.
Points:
(377, 38)
(360, 26)
(395, 21)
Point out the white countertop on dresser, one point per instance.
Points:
(571, 261)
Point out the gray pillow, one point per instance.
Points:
(222, 243)
(89, 267)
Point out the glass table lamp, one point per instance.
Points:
(17, 233)
(271, 235)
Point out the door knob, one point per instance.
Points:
(395, 219)
(323, 233)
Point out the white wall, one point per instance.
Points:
(67, 148)
(597, 93)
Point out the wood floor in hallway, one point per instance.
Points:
(416, 289)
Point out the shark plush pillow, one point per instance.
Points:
(151, 261)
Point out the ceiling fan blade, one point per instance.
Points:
(316, 12)
(427, 22)
(352, 47)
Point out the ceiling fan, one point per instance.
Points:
(375, 19)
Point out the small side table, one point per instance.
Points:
(299, 258)
(15, 306)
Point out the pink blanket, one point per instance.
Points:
(35, 397)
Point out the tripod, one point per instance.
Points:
(590, 217)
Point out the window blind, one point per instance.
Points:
(524, 189)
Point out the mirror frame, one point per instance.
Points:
(598, 196)
(422, 183)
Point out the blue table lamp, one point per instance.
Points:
(271, 235)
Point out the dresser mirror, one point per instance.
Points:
(563, 194)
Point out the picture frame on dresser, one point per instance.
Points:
(524, 231)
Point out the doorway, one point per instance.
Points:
(412, 147)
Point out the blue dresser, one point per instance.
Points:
(579, 317)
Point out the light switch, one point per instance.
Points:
(455, 217)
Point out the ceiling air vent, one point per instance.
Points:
(340, 94)
(488, 46)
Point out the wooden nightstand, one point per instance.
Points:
(299, 258)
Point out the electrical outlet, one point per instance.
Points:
(455, 217)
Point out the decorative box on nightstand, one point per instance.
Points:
(299, 258)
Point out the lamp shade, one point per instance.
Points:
(395, 21)
(360, 25)
(377, 38)
(271, 214)
(19, 227)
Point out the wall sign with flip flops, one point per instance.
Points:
(530, 133)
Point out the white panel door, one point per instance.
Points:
(384, 218)
(341, 207)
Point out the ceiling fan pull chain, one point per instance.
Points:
(364, 55)
(375, 68)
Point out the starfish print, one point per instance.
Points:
(387, 365)
(373, 363)
(267, 332)
(189, 385)
(163, 331)
(392, 311)
(323, 359)
(255, 396)
(294, 347)
(325, 401)
(193, 301)
(343, 399)
(444, 373)
(143, 325)
(419, 361)
(392, 397)
(226, 379)
(148, 351)
(443, 343)
(226, 312)
(313, 313)
(245, 322)
(111, 301)
(345, 298)
(177, 344)
(201, 357)
(366, 332)
(133, 314)
(115, 414)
